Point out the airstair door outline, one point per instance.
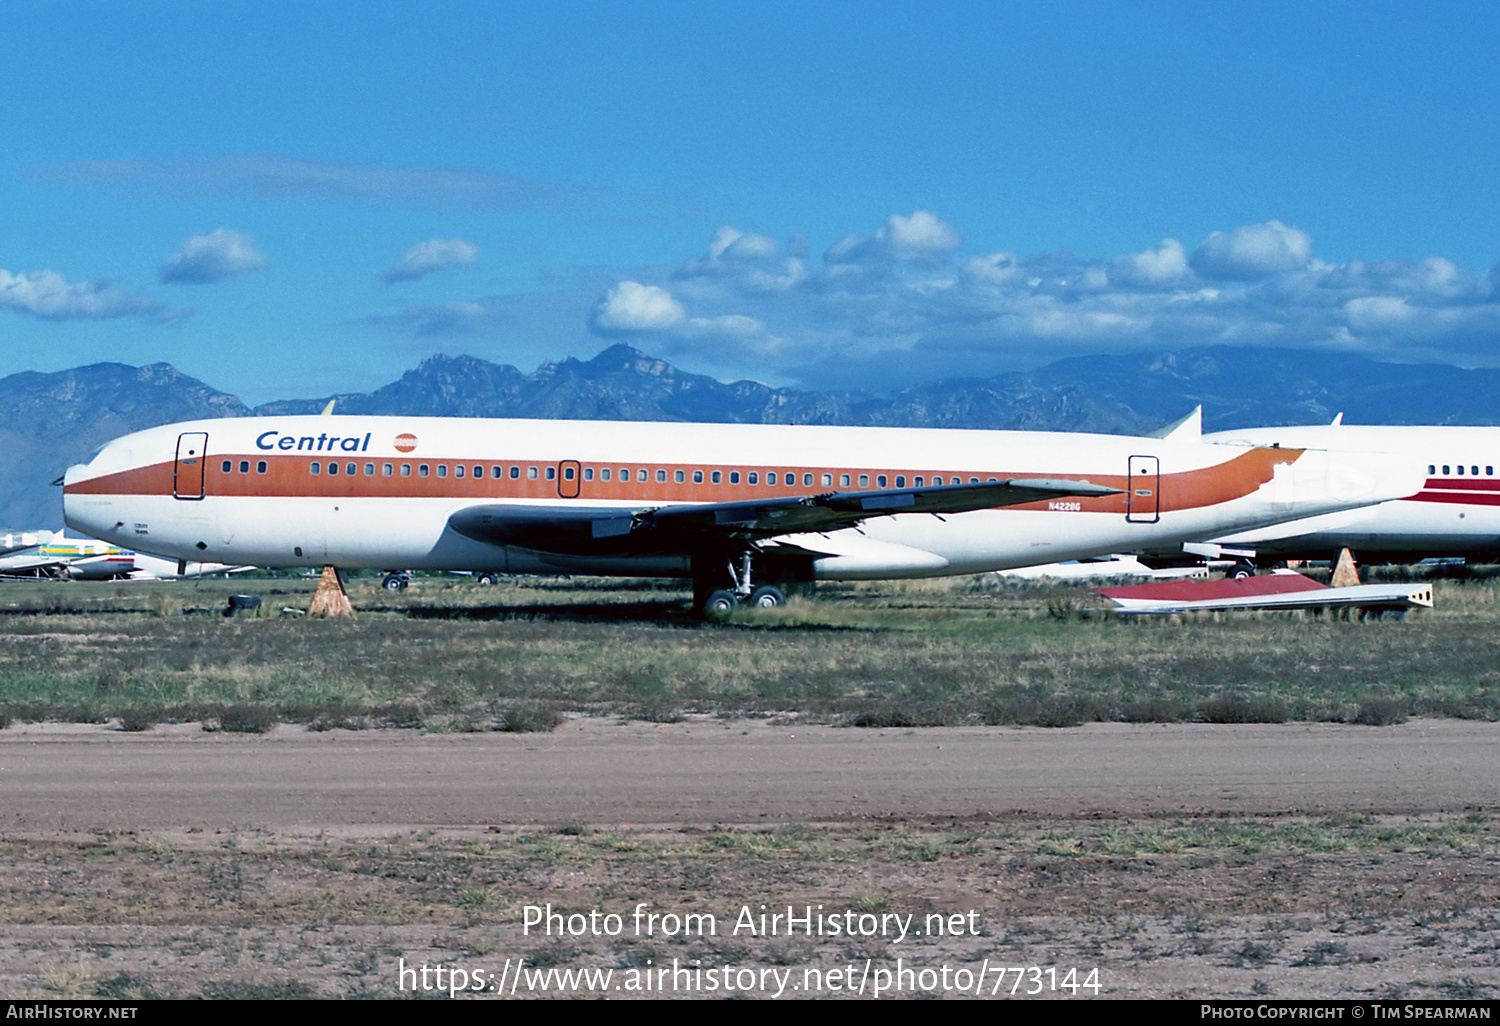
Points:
(187, 471)
(1143, 495)
(568, 474)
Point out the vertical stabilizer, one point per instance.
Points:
(1185, 429)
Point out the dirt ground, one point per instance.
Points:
(1193, 860)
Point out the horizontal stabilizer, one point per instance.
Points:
(1281, 590)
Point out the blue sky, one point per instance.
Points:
(291, 200)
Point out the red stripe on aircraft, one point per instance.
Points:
(1461, 498)
(1197, 591)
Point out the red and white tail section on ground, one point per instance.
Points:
(1285, 589)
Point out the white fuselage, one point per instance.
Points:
(378, 492)
(1455, 511)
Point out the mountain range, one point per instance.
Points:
(48, 421)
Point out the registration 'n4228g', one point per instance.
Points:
(1065, 507)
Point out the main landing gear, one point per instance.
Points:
(714, 602)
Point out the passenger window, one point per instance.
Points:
(753, 478)
(827, 480)
(717, 477)
(369, 470)
(843, 480)
(734, 477)
(1474, 470)
(679, 476)
(244, 466)
(864, 480)
(916, 482)
(697, 477)
(385, 469)
(333, 468)
(497, 472)
(458, 471)
(900, 480)
(260, 467)
(406, 470)
(1445, 468)
(351, 469)
(479, 471)
(531, 473)
(515, 472)
(551, 473)
(771, 477)
(421, 469)
(588, 473)
(228, 466)
(567, 473)
(661, 475)
(604, 474)
(315, 467)
(880, 481)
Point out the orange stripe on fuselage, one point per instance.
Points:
(290, 477)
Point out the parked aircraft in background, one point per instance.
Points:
(158, 568)
(60, 558)
(1454, 513)
(1102, 567)
(736, 507)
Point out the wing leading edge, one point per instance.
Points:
(679, 528)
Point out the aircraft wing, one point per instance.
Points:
(686, 527)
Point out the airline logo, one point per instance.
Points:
(271, 440)
(405, 442)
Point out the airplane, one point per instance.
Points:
(59, 558)
(738, 508)
(157, 568)
(1455, 512)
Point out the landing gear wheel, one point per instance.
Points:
(1240, 571)
(766, 597)
(718, 605)
(394, 582)
(484, 579)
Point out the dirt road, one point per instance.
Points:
(78, 778)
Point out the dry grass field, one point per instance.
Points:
(1369, 904)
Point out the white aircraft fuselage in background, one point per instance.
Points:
(631, 498)
(1454, 513)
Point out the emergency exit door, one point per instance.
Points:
(1143, 498)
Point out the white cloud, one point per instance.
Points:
(429, 256)
(922, 238)
(632, 307)
(48, 295)
(439, 319)
(217, 256)
(867, 317)
(1166, 265)
(1253, 252)
(270, 176)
